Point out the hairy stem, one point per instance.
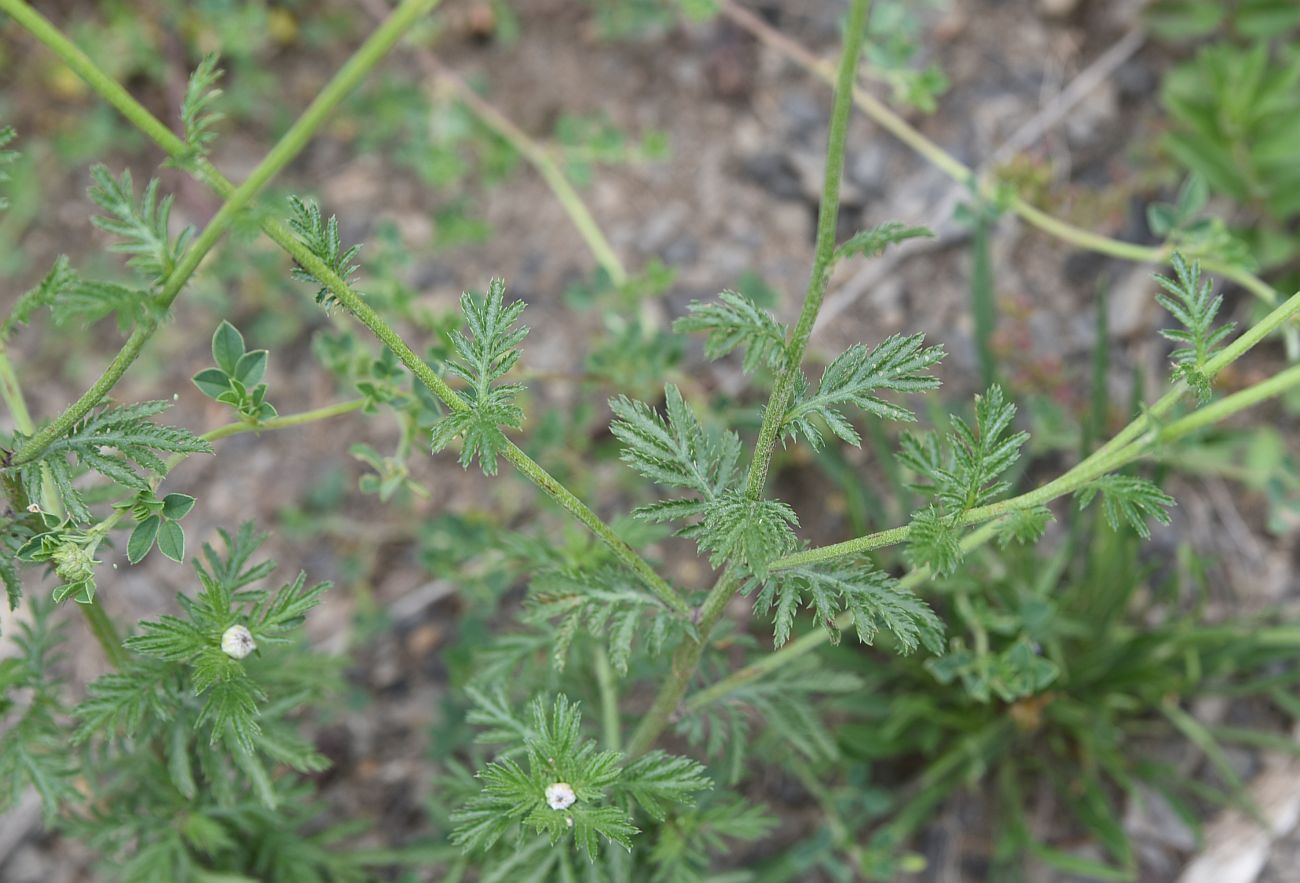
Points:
(1130, 443)
(814, 639)
(687, 658)
(962, 173)
(823, 257)
(280, 233)
(101, 625)
(288, 147)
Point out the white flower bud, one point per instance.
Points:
(238, 642)
(560, 795)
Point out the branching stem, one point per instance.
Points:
(962, 173)
(279, 233)
(1130, 443)
(687, 658)
(288, 147)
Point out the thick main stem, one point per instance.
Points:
(288, 147)
(282, 236)
(687, 658)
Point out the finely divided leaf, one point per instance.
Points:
(484, 357)
(737, 322)
(115, 442)
(875, 599)
(748, 533)
(197, 113)
(854, 378)
(873, 242)
(1193, 304)
(141, 227)
(1129, 500)
(967, 476)
(675, 452)
(322, 239)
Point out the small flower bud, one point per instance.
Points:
(560, 795)
(238, 642)
(73, 562)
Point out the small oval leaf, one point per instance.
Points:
(227, 347)
(171, 540)
(142, 538)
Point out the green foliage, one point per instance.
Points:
(790, 707)
(569, 786)
(748, 533)
(72, 298)
(7, 158)
(854, 377)
(157, 520)
(321, 237)
(1127, 500)
(198, 115)
(1192, 303)
(967, 475)
(875, 600)
(33, 751)
(1184, 226)
(736, 322)
(1235, 109)
(676, 452)
(606, 602)
(200, 641)
(873, 242)
(141, 227)
(237, 378)
(894, 52)
(114, 442)
(484, 357)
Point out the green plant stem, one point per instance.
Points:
(687, 658)
(101, 625)
(1130, 443)
(962, 173)
(824, 256)
(289, 146)
(283, 422)
(608, 699)
(540, 158)
(805, 644)
(280, 233)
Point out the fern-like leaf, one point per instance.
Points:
(1191, 301)
(141, 226)
(321, 237)
(968, 475)
(855, 376)
(875, 599)
(1126, 499)
(568, 787)
(198, 116)
(115, 442)
(872, 243)
(747, 533)
(605, 603)
(34, 751)
(737, 322)
(675, 451)
(485, 355)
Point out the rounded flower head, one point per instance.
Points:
(237, 642)
(74, 562)
(560, 795)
